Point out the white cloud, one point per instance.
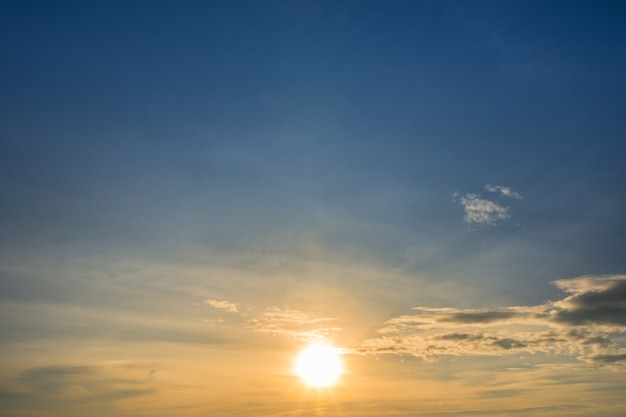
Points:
(481, 211)
(223, 305)
(503, 191)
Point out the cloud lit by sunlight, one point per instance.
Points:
(223, 305)
(588, 324)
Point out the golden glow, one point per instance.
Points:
(319, 365)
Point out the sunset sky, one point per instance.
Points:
(193, 192)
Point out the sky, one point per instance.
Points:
(193, 192)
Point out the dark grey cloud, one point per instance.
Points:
(597, 306)
(53, 379)
(461, 336)
(504, 343)
(73, 387)
(479, 317)
(609, 358)
(509, 343)
(500, 393)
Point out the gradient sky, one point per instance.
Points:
(190, 192)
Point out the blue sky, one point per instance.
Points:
(245, 175)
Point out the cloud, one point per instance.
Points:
(580, 325)
(293, 323)
(609, 358)
(503, 191)
(223, 305)
(71, 386)
(600, 304)
(479, 317)
(589, 283)
(54, 379)
(281, 321)
(481, 211)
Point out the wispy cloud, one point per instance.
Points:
(480, 210)
(580, 325)
(223, 305)
(76, 386)
(293, 323)
(503, 191)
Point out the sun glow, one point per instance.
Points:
(319, 365)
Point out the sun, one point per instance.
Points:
(319, 365)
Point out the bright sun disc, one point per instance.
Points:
(319, 365)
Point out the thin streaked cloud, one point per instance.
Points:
(226, 306)
(76, 386)
(503, 191)
(292, 323)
